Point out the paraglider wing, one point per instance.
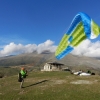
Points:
(81, 28)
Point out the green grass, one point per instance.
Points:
(50, 86)
(7, 71)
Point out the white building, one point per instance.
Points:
(52, 66)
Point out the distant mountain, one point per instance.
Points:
(23, 59)
(41, 59)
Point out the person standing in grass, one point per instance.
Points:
(22, 75)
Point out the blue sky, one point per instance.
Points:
(26, 25)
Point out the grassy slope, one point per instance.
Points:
(8, 71)
(38, 60)
(50, 86)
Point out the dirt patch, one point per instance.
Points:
(83, 82)
(22, 92)
(58, 81)
(1, 93)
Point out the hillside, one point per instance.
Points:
(40, 59)
(23, 59)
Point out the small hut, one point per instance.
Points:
(53, 66)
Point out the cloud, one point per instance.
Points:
(48, 45)
(87, 48)
(13, 49)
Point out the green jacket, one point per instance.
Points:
(23, 73)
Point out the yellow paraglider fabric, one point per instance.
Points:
(81, 28)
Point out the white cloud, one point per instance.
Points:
(87, 48)
(13, 48)
(48, 45)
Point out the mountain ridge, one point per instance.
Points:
(40, 59)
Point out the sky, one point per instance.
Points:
(37, 25)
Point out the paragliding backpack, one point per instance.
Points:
(19, 77)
